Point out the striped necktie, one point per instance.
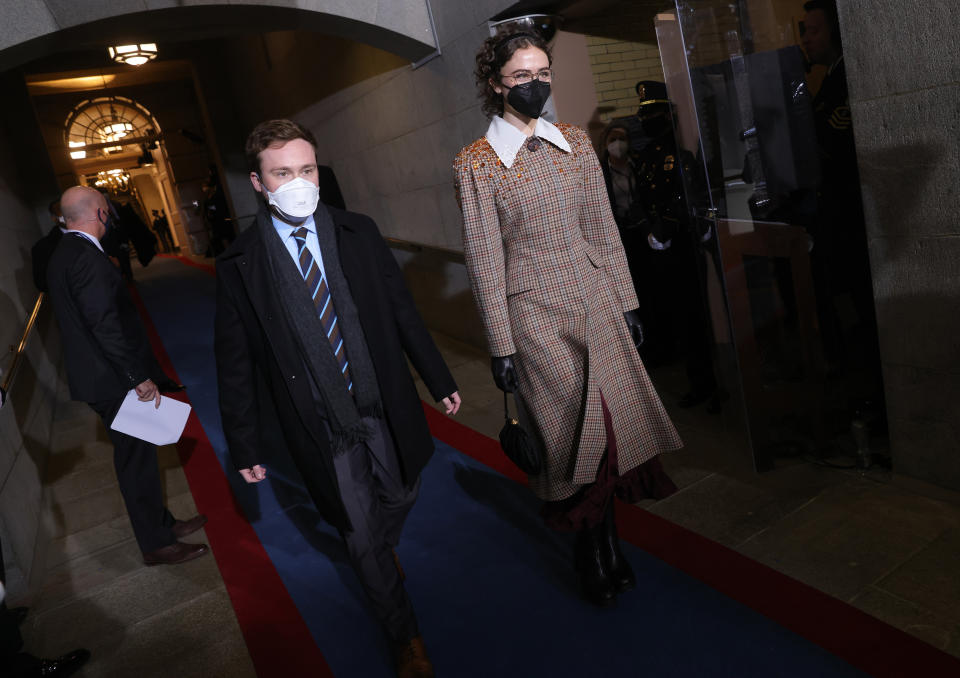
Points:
(323, 302)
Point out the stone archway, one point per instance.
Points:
(39, 27)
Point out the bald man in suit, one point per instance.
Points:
(107, 353)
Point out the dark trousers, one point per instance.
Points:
(138, 475)
(377, 502)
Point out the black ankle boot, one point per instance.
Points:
(618, 569)
(595, 584)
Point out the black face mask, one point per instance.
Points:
(107, 219)
(529, 99)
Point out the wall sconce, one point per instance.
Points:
(133, 55)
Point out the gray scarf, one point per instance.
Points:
(343, 412)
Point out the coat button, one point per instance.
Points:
(293, 376)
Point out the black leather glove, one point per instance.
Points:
(504, 373)
(636, 327)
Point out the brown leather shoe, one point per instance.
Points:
(174, 554)
(412, 660)
(396, 561)
(182, 528)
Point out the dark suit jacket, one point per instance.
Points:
(105, 348)
(261, 376)
(40, 255)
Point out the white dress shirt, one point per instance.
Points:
(87, 236)
(506, 140)
(286, 230)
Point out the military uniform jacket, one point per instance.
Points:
(551, 282)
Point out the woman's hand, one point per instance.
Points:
(504, 373)
(636, 327)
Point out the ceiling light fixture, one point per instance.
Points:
(77, 155)
(133, 55)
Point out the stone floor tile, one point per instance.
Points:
(199, 638)
(129, 599)
(87, 511)
(90, 540)
(69, 460)
(81, 432)
(850, 536)
(912, 618)
(931, 578)
(725, 509)
(86, 574)
(174, 481)
(85, 479)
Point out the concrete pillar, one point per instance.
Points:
(904, 72)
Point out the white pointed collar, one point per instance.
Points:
(506, 140)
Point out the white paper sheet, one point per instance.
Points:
(143, 420)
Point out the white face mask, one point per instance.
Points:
(617, 148)
(297, 198)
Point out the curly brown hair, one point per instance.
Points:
(496, 51)
(270, 132)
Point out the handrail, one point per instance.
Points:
(21, 347)
(456, 256)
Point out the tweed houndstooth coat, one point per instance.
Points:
(550, 279)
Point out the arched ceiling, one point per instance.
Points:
(35, 28)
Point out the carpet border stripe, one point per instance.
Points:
(854, 636)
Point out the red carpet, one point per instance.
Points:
(859, 639)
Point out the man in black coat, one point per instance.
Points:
(313, 325)
(106, 354)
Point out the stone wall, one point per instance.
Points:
(390, 136)
(617, 66)
(25, 421)
(906, 112)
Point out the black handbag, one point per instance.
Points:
(518, 444)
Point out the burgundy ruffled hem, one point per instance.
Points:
(588, 506)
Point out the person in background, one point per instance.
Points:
(162, 229)
(106, 355)
(216, 213)
(140, 236)
(553, 288)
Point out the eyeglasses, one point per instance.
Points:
(523, 77)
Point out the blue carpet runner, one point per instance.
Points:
(493, 589)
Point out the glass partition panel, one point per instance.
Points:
(744, 114)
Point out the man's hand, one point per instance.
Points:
(255, 474)
(148, 391)
(452, 403)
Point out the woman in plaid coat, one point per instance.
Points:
(554, 292)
